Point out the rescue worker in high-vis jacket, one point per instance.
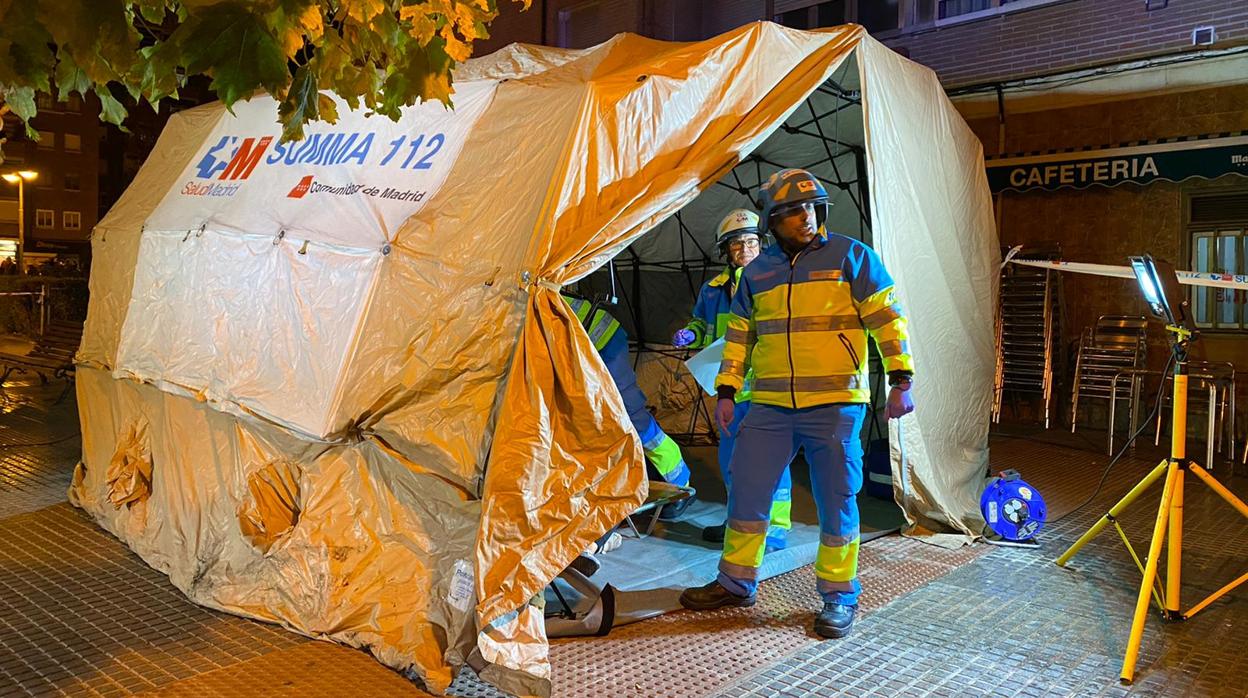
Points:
(664, 454)
(801, 320)
(739, 241)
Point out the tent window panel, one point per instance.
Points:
(246, 321)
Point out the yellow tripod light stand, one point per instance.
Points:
(1159, 290)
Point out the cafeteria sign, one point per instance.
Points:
(1172, 161)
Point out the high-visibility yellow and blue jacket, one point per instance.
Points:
(601, 329)
(711, 313)
(713, 308)
(801, 324)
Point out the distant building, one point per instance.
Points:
(61, 204)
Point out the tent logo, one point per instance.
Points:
(243, 159)
(301, 188)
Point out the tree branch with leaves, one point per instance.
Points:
(381, 55)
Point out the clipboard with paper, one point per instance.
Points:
(704, 365)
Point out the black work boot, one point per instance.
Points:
(714, 534)
(835, 620)
(713, 595)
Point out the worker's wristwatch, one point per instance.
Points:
(903, 382)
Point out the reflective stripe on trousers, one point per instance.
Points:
(769, 438)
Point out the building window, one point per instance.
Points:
(879, 15)
(45, 218)
(922, 12)
(830, 14)
(71, 220)
(73, 182)
(75, 102)
(946, 9)
(953, 8)
(1219, 234)
(808, 15)
(73, 142)
(44, 101)
(47, 139)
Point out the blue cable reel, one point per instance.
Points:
(1012, 508)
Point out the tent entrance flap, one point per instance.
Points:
(824, 135)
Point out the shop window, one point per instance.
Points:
(1219, 244)
(71, 220)
(45, 218)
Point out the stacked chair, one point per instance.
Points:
(1028, 327)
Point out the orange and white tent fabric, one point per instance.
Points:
(331, 384)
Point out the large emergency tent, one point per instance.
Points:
(331, 384)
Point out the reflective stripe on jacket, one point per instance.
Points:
(603, 326)
(802, 325)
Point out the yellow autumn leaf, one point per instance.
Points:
(466, 22)
(312, 20)
(363, 11)
(423, 26)
(436, 7)
(457, 49)
(292, 41)
(423, 29)
(436, 86)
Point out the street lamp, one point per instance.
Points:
(20, 178)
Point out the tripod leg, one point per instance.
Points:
(1174, 547)
(1114, 512)
(1150, 574)
(1242, 508)
(1215, 596)
(1220, 489)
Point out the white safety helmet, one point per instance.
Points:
(737, 223)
